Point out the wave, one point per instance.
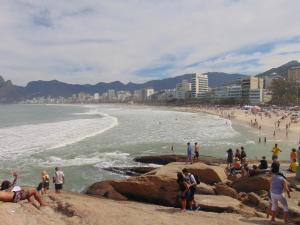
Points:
(27, 139)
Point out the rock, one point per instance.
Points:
(299, 203)
(217, 203)
(253, 198)
(162, 190)
(263, 205)
(165, 159)
(130, 171)
(242, 196)
(104, 189)
(252, 184)
(262, 193)
(205, 189)
(223, 189)
(206, 173)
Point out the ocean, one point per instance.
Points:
(84, 139)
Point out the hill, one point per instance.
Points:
(281, 70)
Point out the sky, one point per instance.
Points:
(93, 41)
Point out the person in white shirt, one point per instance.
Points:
(58, 180)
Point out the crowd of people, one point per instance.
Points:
(10, 192)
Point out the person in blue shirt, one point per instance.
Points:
(189, 153)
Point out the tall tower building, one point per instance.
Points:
(199, 85)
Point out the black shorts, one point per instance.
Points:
(197, 154)
(46, 185)
(58, 186)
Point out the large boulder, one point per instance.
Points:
(206, 173)
(252, 184)
(223, 189)
(104, 189)
(205, 189)
(162, 190)
(217, 203)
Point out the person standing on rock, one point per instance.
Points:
(58, 180)
(184, 187)
(192, 188)
(189, 153)
(196, 150)
(278, 187)
(229, 158)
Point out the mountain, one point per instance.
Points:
(56, 88)
(10, 93)
(281, 70)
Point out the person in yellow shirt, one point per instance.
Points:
(294, 165)
(275, 152)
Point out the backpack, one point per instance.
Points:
(196, 178)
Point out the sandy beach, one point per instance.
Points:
(266, 125)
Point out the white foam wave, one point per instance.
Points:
(100, 160)
(27, 139)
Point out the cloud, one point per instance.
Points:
(135, 40)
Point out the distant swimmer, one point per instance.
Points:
(265, 139)
(259, 140)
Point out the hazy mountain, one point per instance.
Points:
(281, 70)
(56, 88)
(10, 93)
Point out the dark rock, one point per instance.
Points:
(165, 159)
(253, 198)
(104, 189)
(252, 184)
(130, 171)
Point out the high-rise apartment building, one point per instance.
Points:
(183, 89)
(294, 73)
(252, 89)
(199, 85)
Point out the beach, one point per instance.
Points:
(267, 124)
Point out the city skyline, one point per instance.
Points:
(92, 41)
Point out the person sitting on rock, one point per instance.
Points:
(6, 184)
(293, 166)
(192, 187)
(253, 171)
(20, 194)
(184, 187)
(263, 163)
(236, 166)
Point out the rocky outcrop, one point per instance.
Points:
(205, 189)
(252, 184)
(165, 159)
(206, 173)
(223, 189)
(130, 171)
(104, 189)
(217, 203)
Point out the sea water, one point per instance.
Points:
(84, 140)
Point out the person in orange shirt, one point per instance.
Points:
(293, 155)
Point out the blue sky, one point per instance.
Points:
(90, 41)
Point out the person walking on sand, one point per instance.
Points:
(58, 180)
(189, 153)
(275, 152)
(277, 188)
(196, 150)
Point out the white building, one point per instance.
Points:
(252, 89)
(199, 85)
(183, 89)
(123, 96)
(96, 96)
(138, 95)
(147, 93)
(111, 94)
(232, 91)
